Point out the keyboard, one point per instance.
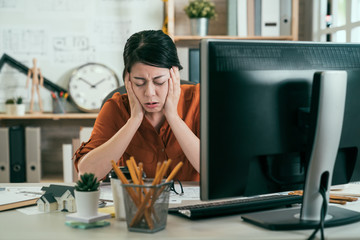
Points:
(237, 206)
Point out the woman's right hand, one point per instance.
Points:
(137, 111)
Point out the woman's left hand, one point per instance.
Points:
(173, 96)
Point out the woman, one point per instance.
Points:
(158, 119)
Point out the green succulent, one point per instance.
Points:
(87, 183)
(19, 100)
(10, 101)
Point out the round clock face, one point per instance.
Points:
(90, 84)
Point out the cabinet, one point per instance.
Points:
(179, 24)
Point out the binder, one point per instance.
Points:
(285, 17)
(257, 15)
(17, 154)
(33, 154)
(232, 18)
(242, 18)
(194, 65)
(270, 18)
(183, 54)
(67, 163)
(251, 17)
(4, 156)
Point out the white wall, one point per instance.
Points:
(64, 34)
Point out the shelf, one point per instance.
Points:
(194, 41)
(51, 116)
(177, 20)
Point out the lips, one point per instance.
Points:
(151, 104)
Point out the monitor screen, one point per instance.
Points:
(255, 100)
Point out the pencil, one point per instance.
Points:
(132, 171)
(332, 198)
(123, 179)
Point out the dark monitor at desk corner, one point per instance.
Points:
(256, 134)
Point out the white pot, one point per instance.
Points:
(87, 203)
(20, 109)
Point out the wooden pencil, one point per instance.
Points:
(332, 198)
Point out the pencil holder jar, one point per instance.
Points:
(59, 105)
(146, 206)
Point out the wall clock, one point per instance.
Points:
(89, 84)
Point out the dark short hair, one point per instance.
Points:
(151, 47)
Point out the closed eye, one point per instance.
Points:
(159, 83)
(140, 84)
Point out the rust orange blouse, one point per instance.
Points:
(147, 145)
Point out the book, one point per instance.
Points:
(16, 197)
(14, 205)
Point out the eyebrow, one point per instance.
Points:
(144, 79)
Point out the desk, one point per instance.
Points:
(15, 225)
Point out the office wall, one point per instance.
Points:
(64, 34)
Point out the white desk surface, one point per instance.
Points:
(16, 225)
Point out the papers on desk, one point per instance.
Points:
(15, 197)
(190, 193)
(351, 190)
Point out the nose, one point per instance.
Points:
(150, 89)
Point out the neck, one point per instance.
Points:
(155, 119)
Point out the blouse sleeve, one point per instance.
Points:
(112, 117)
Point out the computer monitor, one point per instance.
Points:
(258, 134)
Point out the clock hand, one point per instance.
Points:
(87, 82)
(99, 82)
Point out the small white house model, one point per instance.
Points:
(57, 198)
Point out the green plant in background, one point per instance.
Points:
(200, 9)
(18, 100)
(10, 101)
(87, 183)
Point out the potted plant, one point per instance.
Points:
(199, 12)
(87, 195)
(15, 106)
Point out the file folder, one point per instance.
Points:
(33, 154)
(4, 156)
(270, 17)
(17, 154)
(285, 17)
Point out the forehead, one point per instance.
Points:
(144, 70)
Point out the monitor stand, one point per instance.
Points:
(326, 119)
